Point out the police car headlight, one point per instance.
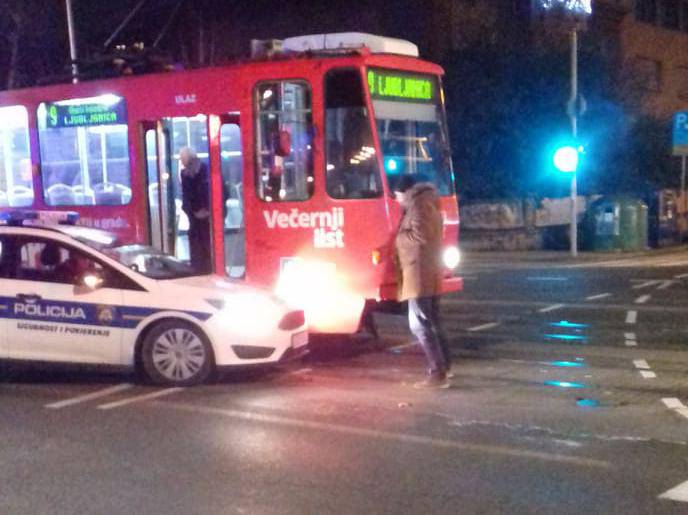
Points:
(451, 257)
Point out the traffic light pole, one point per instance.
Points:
(72, 41)
(574, 129)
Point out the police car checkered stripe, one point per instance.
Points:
(81, 313)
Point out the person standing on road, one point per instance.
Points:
(418, 248)
(196, 205)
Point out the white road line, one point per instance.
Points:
(89, 396)
(631, 343)
(547, 278)
(681, 276)
(648, 374)
(483, 326)
(678, 493)
(672, 403)
(631, 317)
(641, 363)
(629, 336)
(600, 296)
(665, 285)
(550, 308)
(403, 346)
(645, 284)
(377, 434)
(140, 398)
(676, 405)
(305, 370)
(642, 299)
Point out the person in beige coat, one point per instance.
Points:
(418, 246)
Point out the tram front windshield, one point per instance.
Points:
(411, 126)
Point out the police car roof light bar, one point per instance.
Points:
(39, 217)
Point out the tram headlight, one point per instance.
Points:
(451, 257)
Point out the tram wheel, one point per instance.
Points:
(177, 353)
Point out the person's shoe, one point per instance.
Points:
(436, 382)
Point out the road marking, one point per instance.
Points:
(678, 493)
(547, 278)
(89, 396)
(629, 336)
(600, 296)
(483, 326)
(665, 285)
(385, 435)
(641, 363)
(680, 276)
(550, 308)
(676, 405)
(402, 346)
(648, 374)
(631, 317)
(140, 398)
(450, 302)
(645, 284)
(642, 299)
(631, 343)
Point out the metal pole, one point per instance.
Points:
(683, 191)
(72, 41)
(574, 130)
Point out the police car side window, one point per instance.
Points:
(48, 261)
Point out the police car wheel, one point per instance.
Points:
(176, 353)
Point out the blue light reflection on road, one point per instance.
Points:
(567, 364)
(588, 403)
(567, 337)
(564, 384)
(566, 323)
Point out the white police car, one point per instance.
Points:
(72, 294)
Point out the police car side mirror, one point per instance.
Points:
(88, 282)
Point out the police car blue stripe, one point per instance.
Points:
(81, 313)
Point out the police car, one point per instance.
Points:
(73, 294)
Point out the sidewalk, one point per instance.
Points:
(562, 256)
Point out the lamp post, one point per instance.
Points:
(72, 41)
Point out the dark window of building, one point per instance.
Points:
(671, 14)
(646, 10)
(649, 72)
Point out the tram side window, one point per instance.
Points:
(283, 141)
(352, 169)
(16, 183)
(84, 152)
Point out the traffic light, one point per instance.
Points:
(566, 158)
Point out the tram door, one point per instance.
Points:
(164, 139)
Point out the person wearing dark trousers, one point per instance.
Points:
(196, 205)
(418, 247)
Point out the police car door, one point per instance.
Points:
(53, 319)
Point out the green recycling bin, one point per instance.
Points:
(616, 224)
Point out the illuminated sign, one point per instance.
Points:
(405, 87)
(59, 115)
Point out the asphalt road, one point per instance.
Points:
(570, 396)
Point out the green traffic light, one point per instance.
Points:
(566, 159)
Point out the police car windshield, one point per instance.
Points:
(150, 262)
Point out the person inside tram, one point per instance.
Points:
(73, 268)
(196, 204)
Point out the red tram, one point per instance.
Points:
(303, 148)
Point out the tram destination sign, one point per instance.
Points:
(85, 115)
(399, 86)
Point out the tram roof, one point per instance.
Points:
(284, 64)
